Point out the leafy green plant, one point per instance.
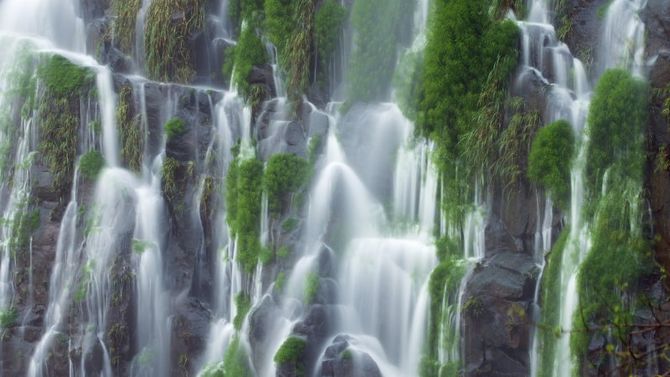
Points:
(249, 52)
(243, 198)
(617, 118)
(550, 160)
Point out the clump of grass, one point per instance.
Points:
(170, 26)
(129, 130)
(550, 160)
(124, 23)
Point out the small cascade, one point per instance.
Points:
(383, 284)
(57, 21)
(622, 40)
(111, 221)
(152, 298)
(62, 283)
(140, 24)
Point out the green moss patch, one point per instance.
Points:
(174, 127)
(291, 350)
(90, 165)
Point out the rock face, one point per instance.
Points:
(498, 299)
(340, 360)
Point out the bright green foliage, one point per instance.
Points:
(169, 27)
(290, 351)
(243, 305)
(129, 130)
(464, 46)
(285, 174)
(248, 52)
(617, 118)
(243, 197)
(329, 21)
(550, 160)
(174, 127)
(63, 78)
(8, 318)
(377, 25)
(236, 361)
(549, 326)
(90, 165)
(312, 287)
(124, 23)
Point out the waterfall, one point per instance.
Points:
(121, 246)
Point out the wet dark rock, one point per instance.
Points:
(583, 22)
(262, 75)
(326, 262)
(340, 360)
(318, 124)
(497, 235)
(91, 9)
(190, 329)
(260, 316)
(315, 328)
(497, 315)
